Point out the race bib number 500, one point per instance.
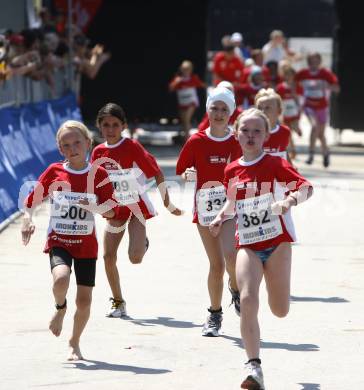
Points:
(209, 202)
(256, 222)
(67, 217)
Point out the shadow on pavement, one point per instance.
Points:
(310, 386)
(319, 299)
(165, 321)
(271, 345)
(93, 365)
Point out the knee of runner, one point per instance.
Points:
(249, 302)
(61, 282)
(83, 303)
(230, 257)
(110, 258)
(280, 311)
(135, 257)
(217, 269)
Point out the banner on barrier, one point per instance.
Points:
(28, 145)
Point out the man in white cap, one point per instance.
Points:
(240, 50)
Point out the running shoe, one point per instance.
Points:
(309, 161)
(235, 299)
(326, 160)
(213, 324)
(253, 375)
(118, 308)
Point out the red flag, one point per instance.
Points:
(83, 11)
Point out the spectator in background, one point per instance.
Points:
(277, 48)
(87, 61)
(227, 66)
(5, 72)
(272, 77)
(240, 49)
(185, 84)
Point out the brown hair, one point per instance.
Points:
(111, 109)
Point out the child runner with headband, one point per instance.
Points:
(128, 165)
(264, 230)
(76, 189)
(208, 153)
(204, 124)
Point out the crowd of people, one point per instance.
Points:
(273, 66)
(38, 53)
(245, 189)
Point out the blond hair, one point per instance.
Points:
(269, 93)
(72, 124)
(253, 112)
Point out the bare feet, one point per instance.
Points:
(75, 352)
(56, 323)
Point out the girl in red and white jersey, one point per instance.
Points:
(317, 83)
(268, 101)
(76, 190)
(208, 153)
(129, 165)
(185, 84)
(204, 124)
(291, 93)
(264, 230)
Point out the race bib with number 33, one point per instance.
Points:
(209, 202)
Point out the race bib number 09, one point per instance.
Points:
(67, 217)
(256, 222)
(209, 202)
(125, 186)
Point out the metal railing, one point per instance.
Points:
(22, 89)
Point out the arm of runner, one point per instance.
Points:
(27, 228)
(106, 209)
(163, 190)
(225, 213)
(189, 174)
(293, 199)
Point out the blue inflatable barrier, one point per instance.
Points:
(28, 146)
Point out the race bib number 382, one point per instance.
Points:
(256, 222)
(209, 202)
(67, 217)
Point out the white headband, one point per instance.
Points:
(222, 94)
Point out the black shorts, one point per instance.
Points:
(85, 269)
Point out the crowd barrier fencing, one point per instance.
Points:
(28, 146)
